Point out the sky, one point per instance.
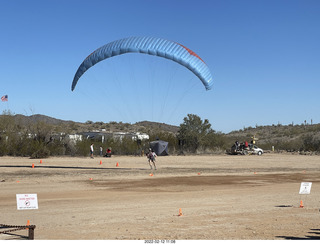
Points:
(264, 57)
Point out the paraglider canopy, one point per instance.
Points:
(160, 147)
(152, 46)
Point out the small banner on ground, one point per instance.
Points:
(305, 188)
(27, 201)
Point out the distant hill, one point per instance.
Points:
(77, 127)
(27, 120)
(159, 126)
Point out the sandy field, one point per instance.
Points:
(221, 197)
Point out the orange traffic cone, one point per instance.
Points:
(301, 204)
(180, 212)
(117, 165)
(32, 166)
(151, 174)
(100, 162)
(41, 161)
(28, 223)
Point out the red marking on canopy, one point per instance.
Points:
(191, 52)
(90, 55)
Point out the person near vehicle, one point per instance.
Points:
(246, 144)
(108, 152)
(237, 145)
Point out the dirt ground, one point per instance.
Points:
(220, 197)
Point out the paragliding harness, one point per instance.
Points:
(150, 156)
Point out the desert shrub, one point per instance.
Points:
(311, 143)
(82, 148)
(39, 150)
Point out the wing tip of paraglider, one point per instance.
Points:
(74, 83)
(209, 84)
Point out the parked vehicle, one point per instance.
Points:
(245, 149)
(256, 150)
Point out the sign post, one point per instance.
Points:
(27, 201)
(305, 189)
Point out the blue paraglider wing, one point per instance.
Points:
(152, 46)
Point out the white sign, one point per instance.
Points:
(305, 188)
(27, 201)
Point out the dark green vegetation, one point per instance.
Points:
(41, 136)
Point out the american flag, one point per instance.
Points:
(4, 98)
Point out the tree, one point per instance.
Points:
(8, 135)
(195, 134)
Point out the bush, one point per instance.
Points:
(39, 150)
(311, 143)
